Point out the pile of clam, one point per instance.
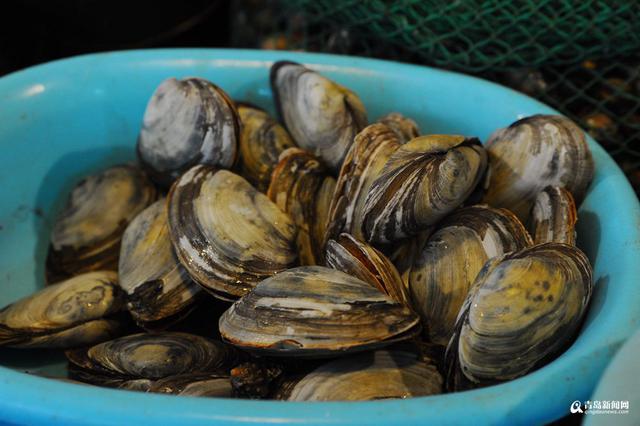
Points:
(322, 257)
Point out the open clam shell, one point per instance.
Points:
(149, 356)
(533, 153)
(359, 259)
(423, 181)
(227, 235)
(382, 374)
(86, 234)
(159, 290)
(447, 265)
(187, 122)
(404, 127)
(321, 116)
(262, 140)
(72, 313)
(297, 188)
(553, 217)
(315, 311)
(364, 162)
(523, 308)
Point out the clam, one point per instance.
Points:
(362, 261)
(364, 162)
(79, 311)
(321, 116)
(159, 290)
(447, 265)
(262, 140)
(422, 181)
(86, 234)
(227, 235)
(255, 379)
(315, 311)
(150, 356)
(187, 122)
(523, 308)
(215, 385)
(298, 188)
(404, 127)
(553, 217)
(383, 374)
(533, 153)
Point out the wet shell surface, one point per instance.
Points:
(553, 217)
(533, 153)
(364, 162)
(86, 234)
(262, 140)
(423, 181)
(159, 290)
(72, 313)
(149, 356)
(215, 385)
(187, 122)
(362, 261)
(316, 312)
(297, 188)
(404, 127)
(370, 376)
(523, 308)
(226, 234)
(446, 267)
(321, 116)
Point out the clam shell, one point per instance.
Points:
(215, 385)
(553, 217)
(364, 162)
(404, 127)
(316, 312)
(359, 259)
(423, 181)
(446, 267)
(321, 116)
(262, 140)
(159, 290)
(227, 235)
(523, 308)
(86, 234)
(149, 356)
(533, 153)
(295, 188)
(68, 314)
(187, 122)
(374, 375)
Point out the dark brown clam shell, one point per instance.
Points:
(216, 385)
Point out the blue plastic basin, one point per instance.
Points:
(62, 120)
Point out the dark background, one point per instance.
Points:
(35, 31)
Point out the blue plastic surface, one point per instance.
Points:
(65, 119)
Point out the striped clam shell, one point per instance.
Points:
(321, 115)
(216, 385)
(533, 153)
(382, 374)
(75, 312)
(404, 127)
(447, 265)
(87, 232)
(523, 308)
(187, 122)
(227, 235)
(300, 186)
(553, 217)
(422, 181)
(159, 290)
(313, 311)
(262, 140)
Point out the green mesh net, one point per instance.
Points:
(581, 57)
